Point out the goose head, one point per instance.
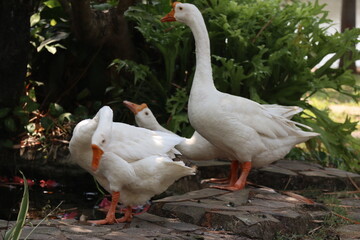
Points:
(143, 115)
(182, 12)
(102, 135)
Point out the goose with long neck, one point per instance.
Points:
(133, 161)
(196, 147)
(243, 129)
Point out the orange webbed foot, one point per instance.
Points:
(110, 216)
(229, 188)
(241, 182)
(234, 168)
(103, 221)
(127, 217)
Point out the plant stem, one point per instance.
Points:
(43, 220)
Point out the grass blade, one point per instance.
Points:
(15, 232)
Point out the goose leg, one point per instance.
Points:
(234, 170)
(110, 216)
(241, 182)
(231, 179)
(127, 217)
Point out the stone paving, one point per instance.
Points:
(144, 226)
(258, 212)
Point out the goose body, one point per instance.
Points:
(194, 148)
(134, 161)
(246, 131)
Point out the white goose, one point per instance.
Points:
(245, 130)
(194, 148)
(197, 147)
(134, 161)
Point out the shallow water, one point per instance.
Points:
(76, 195)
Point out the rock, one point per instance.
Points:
(168, 222)
(286, 174)
(203, 193)
(84, 229)
(41, 233)
(297, 165)
(124, 236)
(349, 231)
(254, 212)
(341, 173)
(316, 174)
(234, 198)
(278, 170)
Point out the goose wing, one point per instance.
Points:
(134, 143)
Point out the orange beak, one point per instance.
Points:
(135, 108)
(170, 17)
(97, 153)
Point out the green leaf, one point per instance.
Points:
(34, 19)
(15, 232)
(21, 114)
(10, 124)
(7, 143)
(83, 94)
(102, 6)
(65, 116)
(31, 127)
(53, 22)
(47, 123)
(52, 3)
(140, 71)
(51, 49)
(31, 106)
(4, 112)
(81, 112)
(55, 109)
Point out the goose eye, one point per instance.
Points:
(180, 8)
(103, 141)
(146, 113)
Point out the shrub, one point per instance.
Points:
(267, 51)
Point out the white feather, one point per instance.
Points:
(245, 130)
(136, 161)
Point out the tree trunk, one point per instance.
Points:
(14, 42)
(348, 14)
(107, 29)
(348, 21)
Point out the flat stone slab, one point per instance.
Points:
(352, 207)
(349, 231)
(196, 212)
(143, 227)
(281, 175)
(284, 175)
(202, 193)
(296, 175)
(278, 170)
(257, 213)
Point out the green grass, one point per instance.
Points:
(327, 229)
(15, 232)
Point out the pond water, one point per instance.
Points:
(65, 192)
(75, 194)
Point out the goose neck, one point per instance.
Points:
(203, 72)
